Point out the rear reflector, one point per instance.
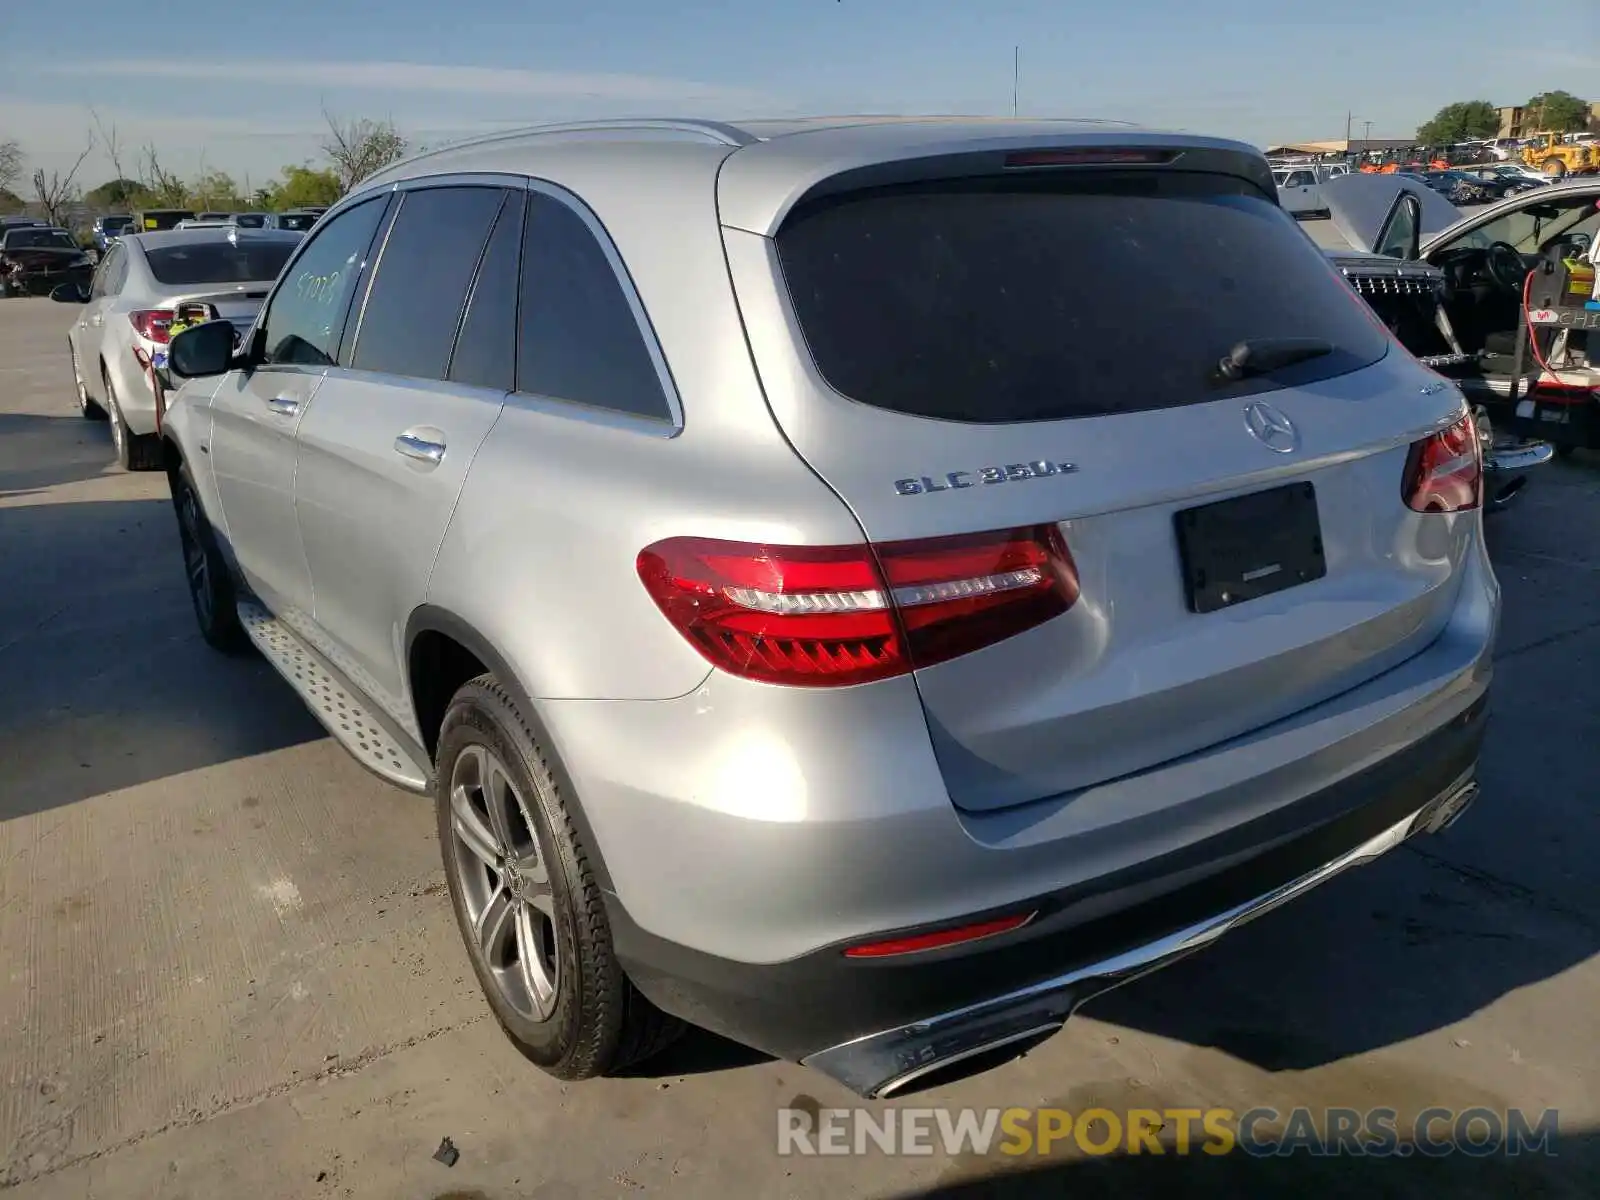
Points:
(828, 616)
(941, 939)
(1444, 472)
(153, 324)
(1087, 157)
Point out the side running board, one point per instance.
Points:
(349, 717)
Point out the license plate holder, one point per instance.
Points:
(1251, 546)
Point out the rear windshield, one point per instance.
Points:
(218, 262)
(249, 220)
(300, 221)
(39, 239)
(1041, 298)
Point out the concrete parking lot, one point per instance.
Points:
(229, 967)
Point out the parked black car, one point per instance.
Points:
(1456, 186)
(34, 260)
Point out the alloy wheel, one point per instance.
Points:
(504, 883)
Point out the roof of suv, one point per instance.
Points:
(761, 168)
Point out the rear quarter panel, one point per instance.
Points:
(540, 557)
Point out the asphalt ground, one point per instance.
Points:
(230, 966)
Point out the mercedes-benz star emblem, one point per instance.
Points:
(1270, 427)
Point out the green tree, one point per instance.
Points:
(215, 191)
(116, 193)
(1556, 112)
(1459, 122)
(304, 185)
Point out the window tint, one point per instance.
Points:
(106, 273)
(420, 285)
(486, 351)
(307, 314)
(39, 239)
(219, 261)
(1044, 297)
(579, 339)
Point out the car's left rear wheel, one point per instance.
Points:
(526, 900)
(205, 571)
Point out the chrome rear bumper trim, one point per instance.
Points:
(879, 1063)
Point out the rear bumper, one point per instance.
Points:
(876, 1025)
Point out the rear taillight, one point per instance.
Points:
(827, 616)
(153, 324)
(1444, 472)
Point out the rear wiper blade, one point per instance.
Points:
(1262, 356)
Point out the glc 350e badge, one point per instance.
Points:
(922, 485)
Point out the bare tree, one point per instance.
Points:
(56, 191)
(163, 185)
(110, 142)
(10, 164)
(360, 147)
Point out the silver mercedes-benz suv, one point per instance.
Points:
(861, 586)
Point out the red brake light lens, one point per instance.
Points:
(1444, 471)
(939, 940)
(827, 616)
(153, 324)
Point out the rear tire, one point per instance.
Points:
(514, 863)
(1554, 168)
(87, 408)
(206, 572)
(135, 451)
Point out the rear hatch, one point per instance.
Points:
(1024, 340)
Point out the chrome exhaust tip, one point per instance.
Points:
(1446, 810)
(971, 1062)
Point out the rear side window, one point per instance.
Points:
(1043, 298)
(486, 350)
(218, 262)
(420, 286)
(579, 337)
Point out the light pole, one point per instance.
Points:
(1366, 135)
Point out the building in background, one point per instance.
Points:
(1513, 120)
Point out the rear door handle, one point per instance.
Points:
(284, 406)
(419, 448)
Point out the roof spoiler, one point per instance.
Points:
(761, 185)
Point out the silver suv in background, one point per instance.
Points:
(833, 593)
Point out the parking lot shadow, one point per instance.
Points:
(1447, 924)
(1570, 1172)
(38, 452)
(104, 681)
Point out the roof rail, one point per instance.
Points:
(717, 132)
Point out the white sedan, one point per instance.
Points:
(121, 335)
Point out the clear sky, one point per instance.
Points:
(241, 86)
